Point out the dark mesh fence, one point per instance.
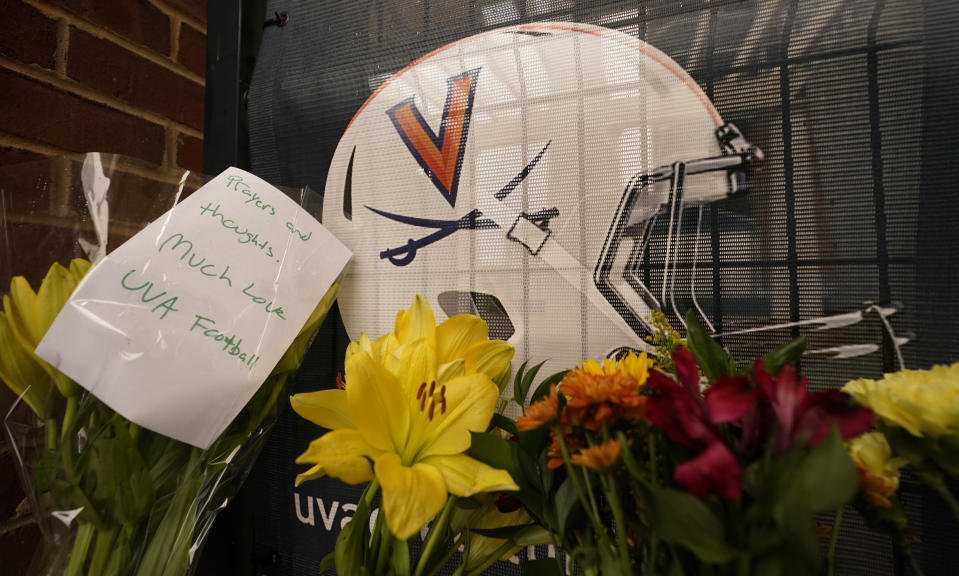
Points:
(855, 203)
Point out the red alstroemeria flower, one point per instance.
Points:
(684, 414)
(714, 471)
(810, 416)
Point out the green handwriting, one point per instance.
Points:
(236, 183)
(244, 236)
(145, 290)
(231, 344)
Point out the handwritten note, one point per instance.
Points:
(178, 327)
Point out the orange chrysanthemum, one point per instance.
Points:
(598, 457)
(595, 398)
(541, 414)
(555, 453)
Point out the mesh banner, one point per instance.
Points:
(563, 167)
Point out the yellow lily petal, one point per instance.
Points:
(311, 474)
(326, 408)
(465, 476)
(411, 494)
(20, 308)
(384, 346)
(52, 295)
(20, 323)
(361, 345)
(488, 357)
(458, 333)
(377, 403)
(450, 370)
(417, 363)
(470, 403)
(22, 374)
(417, 322)
(343, 454)
(79, 268)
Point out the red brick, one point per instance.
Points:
(137, 200)
(11, 490)
(17, 549)
(194, 8)
(192, 50)
(46, 113)
(27, 35)
(10, 156)
(136, 20)
(189, 153)
(133, 79)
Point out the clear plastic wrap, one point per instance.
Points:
(110, 497)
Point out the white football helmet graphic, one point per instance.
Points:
(516, 174)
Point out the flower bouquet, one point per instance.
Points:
(676, 464)
(110, 496)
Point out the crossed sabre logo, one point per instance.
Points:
(440, 155)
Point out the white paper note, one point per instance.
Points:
(178, 327)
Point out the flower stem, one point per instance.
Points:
(654, 536)
(385, 547)
(940, 485)
(575, 479)
(102, 549)
(831, 551)
(612, 495)
(51, 434)
(81, 545)
(906, 549)
(429, 544)
(69, 414)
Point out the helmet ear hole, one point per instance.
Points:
(348, 188)
(486, 306)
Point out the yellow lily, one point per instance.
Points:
(22, 374)
(410, 401)
(30, 313)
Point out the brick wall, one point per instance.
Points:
(81, 76)
(101, 75)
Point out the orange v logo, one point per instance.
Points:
(440, 155)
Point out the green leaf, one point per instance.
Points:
(947, 454)
(799, 554)
(491, 449)
(526, 382)
(541, 567)
(533, 442)
(713, 360)
(502, 532)
(504, 423)
(543, 389)
(328, 562)
(519, 395)
(351, 544)
(632, 465)
(683, 519)
(568, 507)
(784, 355)
(828, 475)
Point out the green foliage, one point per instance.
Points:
(665, 340)
(712, 358)
(784, 355)
(684, 520)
